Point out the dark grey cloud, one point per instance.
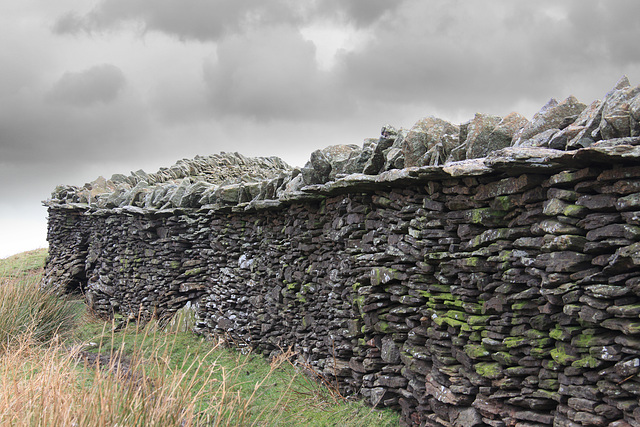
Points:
(35, 132)
(214, 19)
(608, 28)
(440, 54)
(272, 74)
(448, 54)
(361, 13)
(98, 84)
(186, 19)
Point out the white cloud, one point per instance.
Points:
(331, 39)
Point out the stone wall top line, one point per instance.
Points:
(508, 161)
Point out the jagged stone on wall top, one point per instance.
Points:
(559, 135)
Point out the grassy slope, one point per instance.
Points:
(23, 264)
(209, 383)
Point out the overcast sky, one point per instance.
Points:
(91, 88)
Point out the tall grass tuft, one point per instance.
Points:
(26, 309)
(45, 386)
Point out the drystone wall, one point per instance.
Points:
(500, 291)
(470, 299)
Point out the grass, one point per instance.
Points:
(23, 265)
(25, 309)
(127, 374)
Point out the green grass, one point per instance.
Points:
(260, 393)
(173, 378)
(23, 265)
(25, 309)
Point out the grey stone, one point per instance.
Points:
(542, 139)
(394, 159)
(424, 136)
(551, 116)
(634, 116)
(616, 122)
(467, 417)
(376, 162)
(479, 142)
(390, 351)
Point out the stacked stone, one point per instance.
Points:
(480, 298)
(367, 297)
(514, 340)
(138, 265)
(67, 236)
(590, 280)
(443, 316)
(387, 298)
(229, 260)
(481, 283)
(333, 273)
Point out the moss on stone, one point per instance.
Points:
(549, 384)
(381, 275)
(458, 315)
(560, 355)
(438, 287)
(426, 294)
(471, 307)
(483, 216)
(435, 256)
(587, 362)
(456, 323)
(524, 305)
(476, 351)
(489, 370)
(382, 326)
(193, 271)
(574, 210)
(540, 352)
(453, 303)
(535, 334)
(503, 203)
(471, 261)
(585, 339)
(504, 358)
(559, 335)
(441, 319)
(477, 320)
(444, 297)
(475, 336)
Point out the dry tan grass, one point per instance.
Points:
(48, 386)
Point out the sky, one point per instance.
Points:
(90, 88)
